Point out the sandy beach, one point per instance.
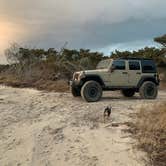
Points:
(40, 128)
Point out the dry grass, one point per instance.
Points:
(10, 80)
(162, 76)
(58, 86)
(150, 130)
(41, 84)
(162, 85)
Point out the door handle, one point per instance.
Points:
(138, 73)
(124, 73)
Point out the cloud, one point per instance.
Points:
(83, 23)
(128, 46)
(80, 11)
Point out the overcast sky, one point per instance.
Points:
(103, 25)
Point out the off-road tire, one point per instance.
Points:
(91, 91)
(148, 90)
(75, 92)
(128, 92)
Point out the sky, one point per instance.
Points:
(101, 25)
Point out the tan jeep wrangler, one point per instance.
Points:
(130, 75)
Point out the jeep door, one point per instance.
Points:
(118, 74)
(134, 72)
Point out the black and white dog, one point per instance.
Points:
(107, 112)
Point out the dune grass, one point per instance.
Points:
(150, 131)
(41, 84)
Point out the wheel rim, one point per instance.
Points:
(92, 92)
(150, 90)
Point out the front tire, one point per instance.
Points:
(128, 92)
(91, 91)
(148, 90)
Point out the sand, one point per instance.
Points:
(38, 128)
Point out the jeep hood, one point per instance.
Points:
(88, 72)
(95, 71)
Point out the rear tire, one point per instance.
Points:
(148, 90)
(128, 92)
(75, 92)
(91, 91)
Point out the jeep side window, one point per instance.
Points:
(148, 66)
(119, 65)
(134, 65)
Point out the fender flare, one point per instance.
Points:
(146, 78)
(94, 78)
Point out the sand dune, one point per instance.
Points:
(54, 129)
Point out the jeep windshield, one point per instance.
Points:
(104, 64)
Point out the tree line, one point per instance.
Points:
(34, 62)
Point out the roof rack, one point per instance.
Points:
(135, 58)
